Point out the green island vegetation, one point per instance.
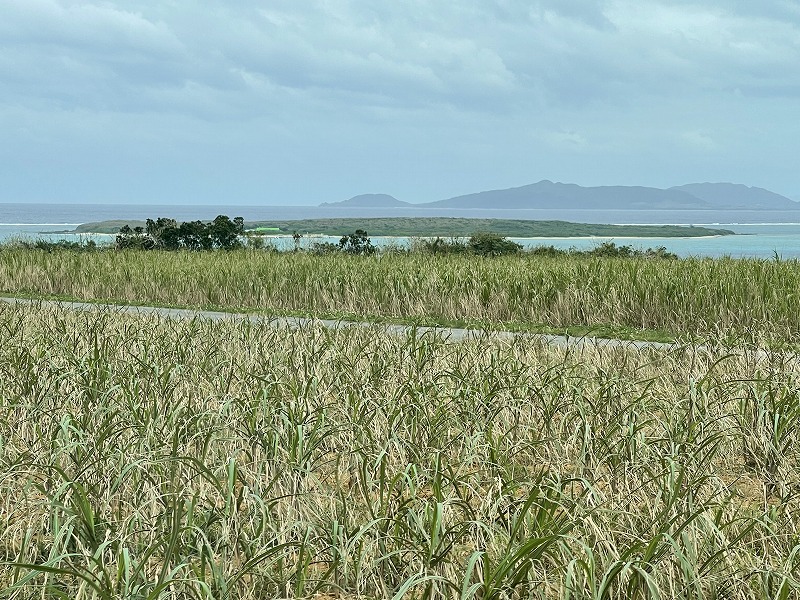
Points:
(441, 227)
(149, 457)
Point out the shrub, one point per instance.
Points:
(134, 238)
(441, 246)
(324, 248)
(492, 244)
(549, 251)
(610, 249)
(357, 243)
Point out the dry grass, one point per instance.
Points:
(150, 458)
(704, 296)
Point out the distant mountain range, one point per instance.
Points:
(546, 194)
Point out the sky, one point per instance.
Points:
(296, 102)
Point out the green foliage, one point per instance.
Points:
(166, 234)
(225, 232)
(134, 238)
(321, 248)
(56, 246)
(442, 246)
(611, 250)
(479, 244)
(547, 251)
(357, 243)
(492, 244)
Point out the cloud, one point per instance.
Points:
(88, 26)
(571, 140)
(699, 140)
(84, 56)
(705, 47)
(487, 86)
(328, 48)
(497, 56)
(586, 12)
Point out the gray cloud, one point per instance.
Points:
(411, 52)
(405, 85)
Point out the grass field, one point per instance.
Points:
(656, 299)
(148, 458)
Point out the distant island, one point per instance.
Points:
(442, 227)
(370, 201)
(549, 195)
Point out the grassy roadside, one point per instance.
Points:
(628, 298)
(575, 331)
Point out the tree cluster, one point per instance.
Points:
(166, 234)
(352, 243)
(480, 244)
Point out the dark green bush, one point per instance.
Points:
(492, 244)
(357, 243)
(324, 248)
(439, 245)
(550, 251)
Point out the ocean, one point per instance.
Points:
(763, 234)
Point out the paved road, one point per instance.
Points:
(452, 334)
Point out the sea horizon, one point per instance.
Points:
(74, 214)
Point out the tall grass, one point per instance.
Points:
(694, 295)
(149, 458)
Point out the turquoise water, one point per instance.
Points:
(762, 241)
(759, 241)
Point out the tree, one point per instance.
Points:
(194, 235)
(225, 233)
(164, 233)
(135, 238)
(357, 243)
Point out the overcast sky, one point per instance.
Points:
(306, 101)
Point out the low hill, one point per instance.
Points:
(444, 227)
(369, 201)
(112, 226)
(461, 227)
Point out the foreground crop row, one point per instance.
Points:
(151, 458)
(705, 296)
